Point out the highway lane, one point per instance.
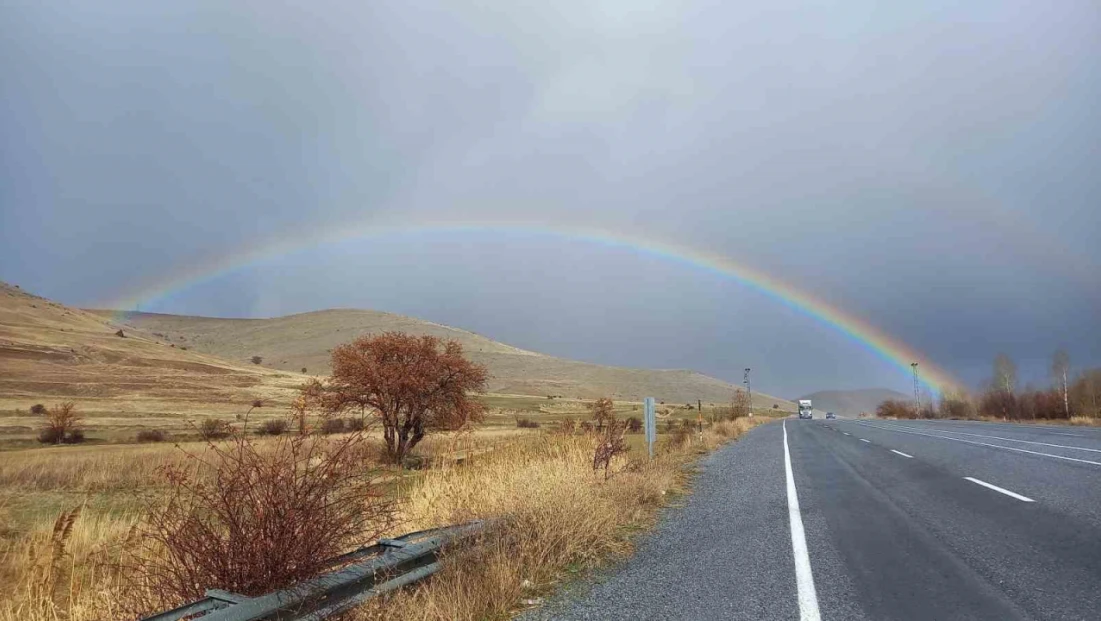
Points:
(894, 520)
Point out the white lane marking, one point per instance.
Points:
(1007, 448)
(804, 578)
(863, 440)
(901, 453)
(848, 434)
(976, 435)
(999, 489)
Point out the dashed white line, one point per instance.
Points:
(804, 578)
(901, 453)
(846, 433)
(999, 489)
(976, 435)
(863, 440)
(1006, 448)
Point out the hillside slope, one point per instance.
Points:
(852, 402)
(300, 341)
(50, 352)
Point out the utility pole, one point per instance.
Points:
(917, 397)
(749, 390)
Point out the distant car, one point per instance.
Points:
(830, 416)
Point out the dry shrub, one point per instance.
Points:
(152, 435)
(602, 413)
(332, 425)
(214, 429)
(634, 424)
(273, 427)
(250, 521)
(894, 408)
(567, 425)
(609, 444)
(526, 423)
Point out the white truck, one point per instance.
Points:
(805, 409)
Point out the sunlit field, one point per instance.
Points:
(66, 511)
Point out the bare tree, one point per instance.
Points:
(1060, 366)
(62, 424)
(602, 410)
(1005, 373)
(414, 384)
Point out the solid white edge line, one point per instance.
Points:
(804, 578)
(863, 440)
(999, 489)
(901, 453)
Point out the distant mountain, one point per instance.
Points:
(852, 402)
(303, 341)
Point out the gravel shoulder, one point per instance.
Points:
(724, 553)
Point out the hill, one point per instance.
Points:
(50, 352)
(303, 341)
(852, 402)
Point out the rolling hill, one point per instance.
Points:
(50, 352)
(303, 341)
(852, 402)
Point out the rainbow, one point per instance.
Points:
(887, 348)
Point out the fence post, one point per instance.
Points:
(651, 424)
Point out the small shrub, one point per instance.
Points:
(776, 406)
(355, 424)
(214, 429)
(273, 427)
(303, 369)
(120, 334)
(50, 435)
(280, 510)
(688, 424)
(634, 424)
(38, 409)
(611, 444)
(527, 423)
(152, 435)
(76, 436)
(586, 426)
(681, 436)
(894, 408)
(332, 425)
(567, 425)
(257, 359)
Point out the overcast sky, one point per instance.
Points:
(930, 167)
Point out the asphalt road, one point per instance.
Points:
(879, 520)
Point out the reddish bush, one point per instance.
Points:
(254, 521)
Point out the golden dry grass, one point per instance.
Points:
(551, 510)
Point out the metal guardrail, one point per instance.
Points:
(363, 574)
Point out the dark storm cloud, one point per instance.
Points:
(926, 166)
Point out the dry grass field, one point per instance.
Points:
(68, 512)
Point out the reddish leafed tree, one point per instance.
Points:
(414, 384)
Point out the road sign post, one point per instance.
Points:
(651, 424)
